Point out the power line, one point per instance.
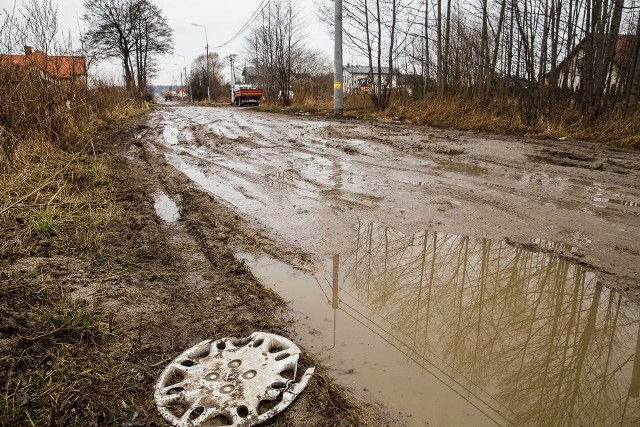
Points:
(246, 25)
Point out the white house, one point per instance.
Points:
(356, 77)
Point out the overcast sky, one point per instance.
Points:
(222, 18)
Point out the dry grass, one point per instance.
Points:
(41, 120)
(54, 198)
(53, 186)
(57, 199)
(501, 116)
(613, 129)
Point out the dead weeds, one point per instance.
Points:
(500, 116)
(97, 296)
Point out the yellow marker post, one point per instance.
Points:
(337, 85)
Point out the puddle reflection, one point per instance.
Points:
(460, 331)
(552, 245)
(530, 335)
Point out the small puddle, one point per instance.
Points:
(601, 199)
(451, 330)
(166, 209)
(462, 167)
(549, 244)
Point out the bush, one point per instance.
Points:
(36, 113)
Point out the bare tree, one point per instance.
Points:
(132, 31)
(40, 24)
(546, 56)
(200, 80)
(151, 36)
(275, 46)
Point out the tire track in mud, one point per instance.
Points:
(203, 241)
(411, 177)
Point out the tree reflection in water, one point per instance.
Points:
(530, 334)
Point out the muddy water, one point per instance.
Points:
(448, 330)
(166, 208)
(306, 180)
(452, 330)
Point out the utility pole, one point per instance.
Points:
(232, 58)
(186, 76)
(208, 74)
(189, 80)
(338, 78)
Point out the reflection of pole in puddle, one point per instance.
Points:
(334, 297)
(634, 389)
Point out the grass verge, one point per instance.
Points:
(501, 116)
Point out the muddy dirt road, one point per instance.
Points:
(458, 278)
(310, 180)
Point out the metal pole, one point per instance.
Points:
(208, 74)
(338, 78)
(181, 87)
(187, 80)
(335, 298)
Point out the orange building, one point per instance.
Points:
(51, 67)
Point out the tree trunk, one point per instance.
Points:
(484, 51)
(445, 55)
(609, 50)
(394, 17)
(374, 98)
(496, 48)
(425, 85)
(380, 95)
(634, 75)
(439, 67)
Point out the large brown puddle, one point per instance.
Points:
(452, 330)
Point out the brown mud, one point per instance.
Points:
(84, 336)
(305, 182)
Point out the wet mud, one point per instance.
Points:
(85, 335)
(457, 278)
(293, 177)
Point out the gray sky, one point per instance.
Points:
(223, 18)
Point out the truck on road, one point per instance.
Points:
(246, 94)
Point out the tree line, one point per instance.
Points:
(276, 54)
(546, 54)
(133, 32)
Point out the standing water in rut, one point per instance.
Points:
(465, 331)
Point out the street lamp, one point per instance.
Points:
(181, 86)
(208, 77)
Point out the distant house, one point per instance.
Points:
(50, 67)
(181, 92)
(251, 75)
(356, 77)
(571, 67)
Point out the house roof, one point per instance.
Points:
(364, 69)
(621, 58)
(624, 48)
(56, 67)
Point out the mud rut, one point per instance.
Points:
(305, 182)
(301, 189)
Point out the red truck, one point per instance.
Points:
(244, 94)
